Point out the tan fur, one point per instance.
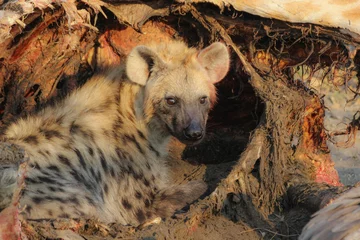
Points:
(101, 151)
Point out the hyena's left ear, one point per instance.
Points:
(216, 60)
(140, 63)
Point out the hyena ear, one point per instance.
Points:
(216, 60)
(140, 63)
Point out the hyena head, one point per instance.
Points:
(178, 85)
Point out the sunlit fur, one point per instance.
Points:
(100, 153)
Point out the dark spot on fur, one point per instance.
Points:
(47, 180)
(102, 195)
(37, 200)
(59, 119)
(92, 171)
(74, 128)
(74, 200)
(35, 165)
(47, 152)
(120, 153)
(138, 195)
(130, 116)
(149, 214)
(106, 132)
(132, 138)
(50, 213)
(76, 175)
(30, 180)
(64, 215)
(112, 172)
(146, 182)
(51, 134)
(88, 134)
(53, 168)
(141, 135)
(91, 151)
(147, 164)
(80, 178)
(28, 209)
(58, 199)
(106, 189)
(126, 204)
(42, 153)
(163, 196)
(66, 145)
(118, 125)
(152, 178)
(90, 201)
(32, 139)
(138, 175)
(130, 158)
(40, 192)
(147, 203)
(130, 170)
(99, 177)
(140, 215)
(64, 160)
(103, 161)
(154, 150)
(52, 189)
(138, 147)
(81, 158)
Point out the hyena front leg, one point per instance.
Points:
(176, 197)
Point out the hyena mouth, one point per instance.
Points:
(192, 139)
(190, 135)
(194, 133)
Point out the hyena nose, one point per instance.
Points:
(193, 132)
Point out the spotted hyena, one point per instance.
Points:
(100, 153)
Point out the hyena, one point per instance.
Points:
(101, 152)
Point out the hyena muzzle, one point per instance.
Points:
(101, 151)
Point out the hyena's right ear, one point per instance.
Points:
(140, 63)
(216, 60)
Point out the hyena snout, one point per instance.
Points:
(194, 132)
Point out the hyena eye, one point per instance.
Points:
(203, 100)
(171, 101)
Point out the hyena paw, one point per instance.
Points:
(175, 197)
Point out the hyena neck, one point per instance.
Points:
(132, 105)
(158, 133)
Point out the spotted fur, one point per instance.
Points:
(101, 151)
